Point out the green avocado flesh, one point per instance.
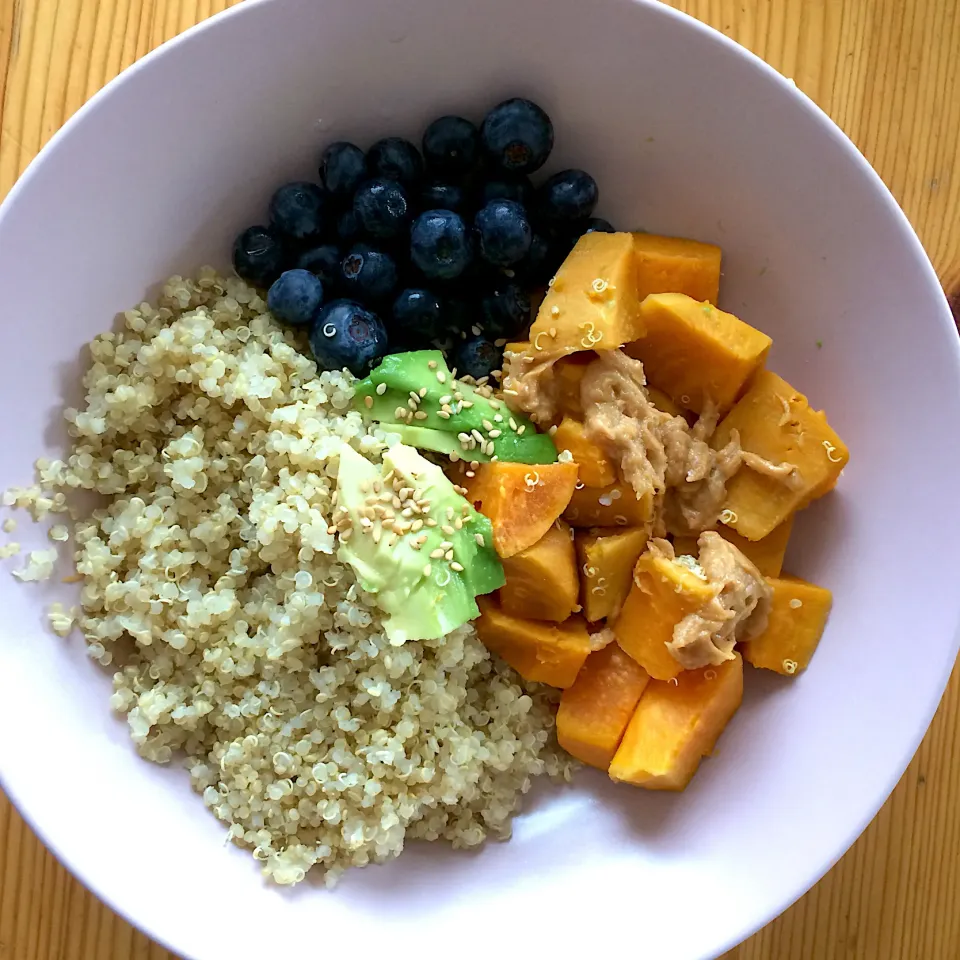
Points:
(480, 428)
(423, 594)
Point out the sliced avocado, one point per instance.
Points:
(423, 596)
(449, 406)
(425, 438)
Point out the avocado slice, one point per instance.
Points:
(425, 580)
(446, 405)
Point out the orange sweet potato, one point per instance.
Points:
(677, 265)
(595, 711)
(766, 554)
(596, 468)
(522, 501)
(592, 303)
(542, 581)
(613, 506)
(676, 724)
(663, 593)
(606, 558)
(798, 616)
(550, 653)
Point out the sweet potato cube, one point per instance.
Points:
(676, 265)
(776, 422)
(550, 653)
(797, 619)
(675, 725)
(568, 373)
(613, 506)
(595, 711)
(606, 558)
(662, 594)
(592, 303)
(766, 554)
(664, 403)
(522, 501)
(542, 581)
(693, 351)
(595, 467)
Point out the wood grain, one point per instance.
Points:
(888, 72)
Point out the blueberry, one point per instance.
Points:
(346, 334)
(518, 189)
(506, 311)
(477, 358)
(517, 136)
(542, 261)
(439, 195)
(258, 256)
(394, 158)
(297, 210)
(440, 244)
(367, 274)
(342, 168)
(349, 228)
(596, 225)
(323, 262)
(567, 197)
(418, 317)
(451, 145)
(295, 297)
(461, 314)
(382, 208)
(503, 232)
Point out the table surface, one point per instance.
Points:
(888, 72)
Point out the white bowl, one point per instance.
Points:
(687, 134)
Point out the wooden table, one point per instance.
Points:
(888, 71)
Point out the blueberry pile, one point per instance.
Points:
(403, 249)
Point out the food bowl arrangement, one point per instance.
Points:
(260, 614)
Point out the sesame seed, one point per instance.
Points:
(448, 530)
(471, 473)
(427, 570)
(479, 538)
(416, 525)
(436, 554)
(495, 433)
(400, 413)
(366, 523)
(381, 389)
(422, 392)
(456, 566)
(449, 513)
(466, 404)
(420, 415)
(512, 423)
(463, 437)
(458, 524)
(432, 365)
(448, 555)
(477, 435)
(412, 404)
(441, 376)
(495, 404)
(392, 540)
(368, 402)
(430, 522)
(487, 425)
(376, 534)
(346, 535)
(443, 414)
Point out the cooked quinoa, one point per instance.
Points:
(210, 583)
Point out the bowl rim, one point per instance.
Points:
(767, 74)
